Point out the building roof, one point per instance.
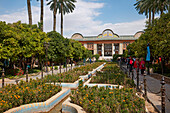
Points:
(106, 35)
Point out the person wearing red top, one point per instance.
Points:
(136, 64)
(142, 66)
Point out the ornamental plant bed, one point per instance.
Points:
(34, 91)
(105, 100)
(19, 73)
(14, 73)
(111, 74)
(73, 75)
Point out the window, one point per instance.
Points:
(107, 49)
(90, 46)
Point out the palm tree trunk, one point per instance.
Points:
(162, 5)
(169, 7)
(29, 12)
(54, 14)
(149, 17)
(61, 19)
(42, 14)
(153, 16)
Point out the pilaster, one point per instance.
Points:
(120, 48)
(95, 49)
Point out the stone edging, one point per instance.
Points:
(42, 106)
(92, 72)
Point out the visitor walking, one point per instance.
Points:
(136, 65)
(90, 60)
(142, 66)
(127, 62)
(131, 62)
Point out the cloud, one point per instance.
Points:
(82, 20)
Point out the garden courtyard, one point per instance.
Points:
(97, 59)
(99, 87)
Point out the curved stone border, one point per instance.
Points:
(68, 108)
(92, 72)
(78, 108)
(42, 106)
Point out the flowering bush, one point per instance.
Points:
(24, 93)
(112, 74)
(73, 75)
(15, 72)
(105, 100)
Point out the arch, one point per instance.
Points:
(99, 36)
(138, 34)
(77, 36)
(111, 34)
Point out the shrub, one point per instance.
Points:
(25, 93)
(115, 56)
(73, 75)
(15, 72)
(97, 56)
(56, 67)
(105, 100)
(112, 74)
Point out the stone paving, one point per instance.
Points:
(13, 81)
(154, 85)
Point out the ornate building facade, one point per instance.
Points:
(106, 44)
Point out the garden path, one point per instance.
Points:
(154, 85)
(12, 81)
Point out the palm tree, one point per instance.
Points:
(168, 5)
(156, 6)
(53, 4)
(29, 12)
(54, 14)
(63, 7)
(143, 7)
(42, 14)
(162, 5)
(151, 6)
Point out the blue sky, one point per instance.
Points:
(89, 18)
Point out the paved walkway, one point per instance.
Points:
(13, 81)
(155, 86)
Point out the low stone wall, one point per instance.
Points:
(90, 73)
(68, 108)
(49, 106)
(111, 86)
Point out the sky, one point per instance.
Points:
(89, 18)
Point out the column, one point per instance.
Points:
(95, 49)
(102, 50)
(85, 45)
(120, 48)
(113, 49)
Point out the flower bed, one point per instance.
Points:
(73, 75)
(24, 93)
(14, 73)
(105, 100)
(111, 74)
